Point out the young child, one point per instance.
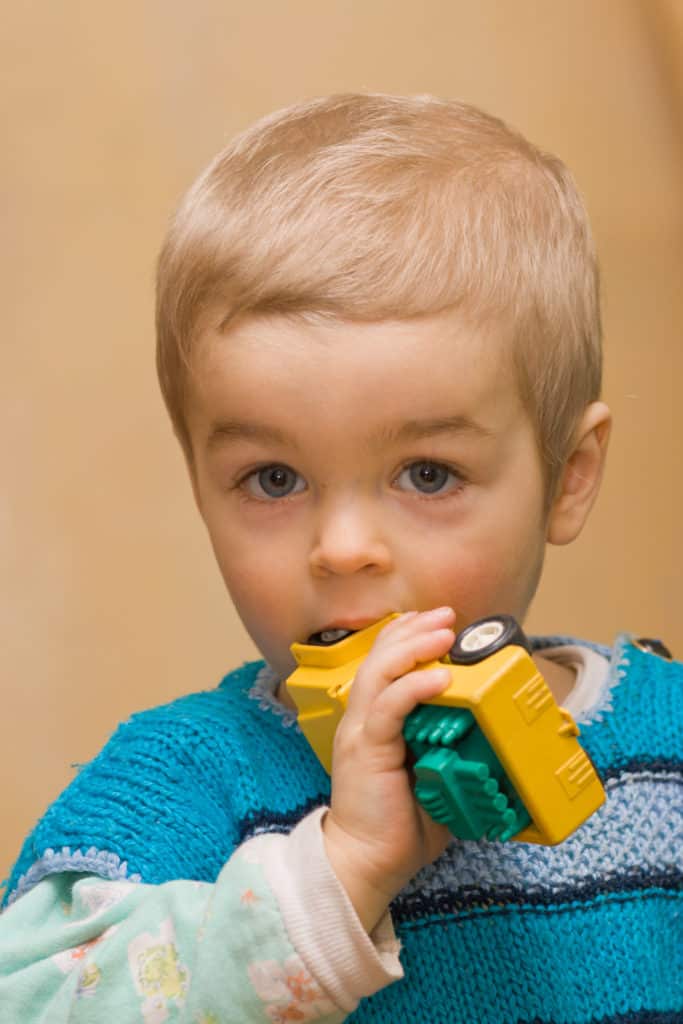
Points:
(379, 344)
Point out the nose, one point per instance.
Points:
(349, 539)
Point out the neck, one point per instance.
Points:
(560, 678)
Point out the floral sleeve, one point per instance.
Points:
(81, 950)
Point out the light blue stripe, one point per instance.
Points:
(640, 827)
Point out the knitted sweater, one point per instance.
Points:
(590, 930)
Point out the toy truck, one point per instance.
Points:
(495, 757)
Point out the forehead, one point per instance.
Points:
(382, 374)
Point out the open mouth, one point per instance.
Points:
(327, 637)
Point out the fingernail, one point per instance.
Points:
(441, 675)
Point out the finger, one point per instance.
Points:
(391, 661)
(389, 711)
(401, 632)
(410, 623)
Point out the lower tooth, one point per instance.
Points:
(330, 636)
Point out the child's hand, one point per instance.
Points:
(377, 836)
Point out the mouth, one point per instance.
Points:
(327, 637)
(336, 631)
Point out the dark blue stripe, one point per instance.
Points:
(632, 1017)
(422, 906)
(272, 821)
(651, 765)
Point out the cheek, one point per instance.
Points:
(265, 612)
(251, 560)
(261, 579)
(468, 585)
(482, 580)
(259, 590)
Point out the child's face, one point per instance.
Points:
(347, 470)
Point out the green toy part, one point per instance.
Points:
(459, 780)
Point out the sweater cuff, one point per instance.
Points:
(320, 919)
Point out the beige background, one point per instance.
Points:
(110, 601)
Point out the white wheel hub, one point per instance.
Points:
(482, 635)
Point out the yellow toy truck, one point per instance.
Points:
(494, 756)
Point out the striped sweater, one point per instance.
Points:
(588, 931)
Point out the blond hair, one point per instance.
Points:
(372, 207)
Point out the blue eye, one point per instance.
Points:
(427, 477)
(274, 481)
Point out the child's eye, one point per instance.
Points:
(274, 481)
(428, 478)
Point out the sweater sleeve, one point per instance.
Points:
(274, 939)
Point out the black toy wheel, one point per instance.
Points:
(486, 636)
(654, 646)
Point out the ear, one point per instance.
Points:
(581, 476)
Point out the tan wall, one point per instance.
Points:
(110, 601)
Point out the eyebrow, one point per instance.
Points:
(415, 430)
(239, 430)
(410, 430)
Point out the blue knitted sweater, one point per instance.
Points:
(591, 930)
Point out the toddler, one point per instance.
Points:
(379, 344)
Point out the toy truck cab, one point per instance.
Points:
(495, 756)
